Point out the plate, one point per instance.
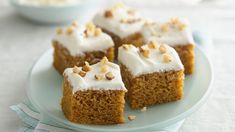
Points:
(45, 92)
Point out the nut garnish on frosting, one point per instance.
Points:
(162, 48)
(149, 58)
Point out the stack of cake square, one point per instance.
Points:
(152, 60)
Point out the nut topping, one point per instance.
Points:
(165, 27)
(162, 48)
(98, 31)
(104, 60)
(109, 76)
(131, 117)
(76, 69)
(108, 14)
(70, 30)
(75, 23)
(82, 73)
(103, 68)
(143, 109)
(98, 76)
(86, 67)
(59, 31)
(126, 46)
(152, 44)
(181, 26)
(167, 58)
(144, 52)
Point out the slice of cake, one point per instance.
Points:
(79, 43)
(121, 23)
(152, 74)
(175, 33)
(94, 94)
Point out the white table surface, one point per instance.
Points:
(22, 42)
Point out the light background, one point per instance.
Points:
(22, 42)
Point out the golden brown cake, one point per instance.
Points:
(176, 33)
(152, 74)
(122, 23)
(94, 94)
(79, 43)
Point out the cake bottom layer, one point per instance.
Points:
(187, 57)
(93, 106)
(154, 88)
(63, 59)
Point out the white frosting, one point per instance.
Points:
(90, 83)
(115, 25)
(172, 37)
(77, 43)
(138, 64)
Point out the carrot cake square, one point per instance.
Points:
(121, 23)
(176, 33)
(79, 43)
(152, 74)
(94, 94)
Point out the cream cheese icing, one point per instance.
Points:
(138, 64)
(88, 82)
(78, 42)
(123, 22)
(174, 32)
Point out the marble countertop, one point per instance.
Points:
(22, 42)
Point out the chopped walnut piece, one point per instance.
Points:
(90, 29)
(131, 117)
(131, 12)
(75, 23)
(98, 76)
(154, 33)
(130, 21)
(109, 76)
(167, 58)
(70, 30)
(148, 23)
(98, 31)
(162, 48)
(143, 109)
(181, 26)
(174, 20)
(164, 27)
(126, 46)
(76, 69)
(103, 68)
(104, 60)
(144, 52)
(123, 20)
(152, 44)
(108, 14)
(82, 73)
(86, 67)
(59, 31)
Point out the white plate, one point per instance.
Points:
(45, 93)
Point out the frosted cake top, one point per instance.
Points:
(83, 38)
(149, 58)
(100, 76)
(120, 20)
(173, 32)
